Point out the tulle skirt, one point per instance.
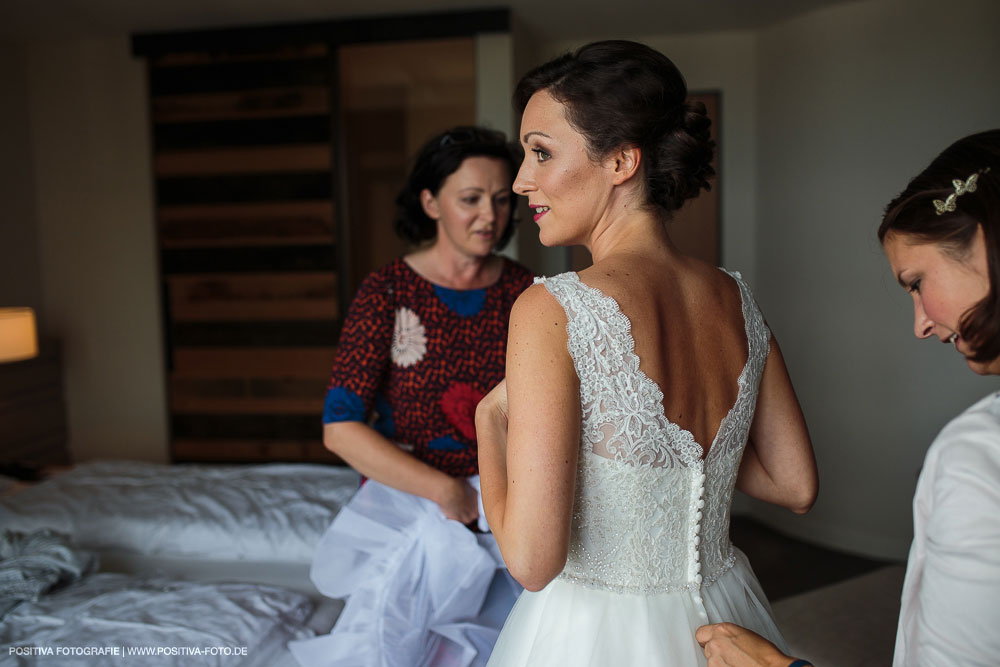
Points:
(421, 590)
(569, 624)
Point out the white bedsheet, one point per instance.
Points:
(171, 622)
(269, 512)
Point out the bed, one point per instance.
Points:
(205, 564)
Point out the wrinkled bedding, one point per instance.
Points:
(269, 512)
(153, 621)
(34, 563)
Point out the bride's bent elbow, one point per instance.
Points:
(804, 500)
(532, 574)
(532, 581)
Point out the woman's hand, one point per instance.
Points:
(459, 501)
(375, 457)
(730, 645)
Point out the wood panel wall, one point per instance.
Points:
(243, 162)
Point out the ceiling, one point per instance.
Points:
(545, 20)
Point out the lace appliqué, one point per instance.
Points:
(723, 461)
(649, 515)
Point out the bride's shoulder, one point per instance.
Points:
(537, 299)
(537, 321)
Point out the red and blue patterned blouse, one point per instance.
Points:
(415, 358)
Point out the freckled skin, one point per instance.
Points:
(557, 172)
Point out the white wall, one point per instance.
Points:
(90, 139)
(852, 102)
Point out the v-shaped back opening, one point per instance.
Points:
(684, 436)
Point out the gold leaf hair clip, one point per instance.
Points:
(969, 185)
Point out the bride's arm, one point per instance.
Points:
(778, 464)
(528, 448)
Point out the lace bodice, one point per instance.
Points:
(650, 515)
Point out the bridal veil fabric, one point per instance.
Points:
(421, 590)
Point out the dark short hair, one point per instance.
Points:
(438, 159)
(621, 93)
(913, 213)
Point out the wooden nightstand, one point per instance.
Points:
(32, 410)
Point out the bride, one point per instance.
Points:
(638, 392)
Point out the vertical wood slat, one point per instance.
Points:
(291, 296)
(206, 363)
(264, 223)
(242, 160)
(286, 52)
(259, 103)
(197, 404)
(252, 451)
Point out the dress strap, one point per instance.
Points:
(758, 333)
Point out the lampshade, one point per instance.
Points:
(18, 339)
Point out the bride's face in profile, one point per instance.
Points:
(944, 287)
(566, 190)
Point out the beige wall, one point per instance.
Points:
(20, 268)
(823, 119)
(90, 147)
(495, 78)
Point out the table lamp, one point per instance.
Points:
(18, 335)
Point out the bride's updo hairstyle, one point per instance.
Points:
(945, 204)
(620, 93)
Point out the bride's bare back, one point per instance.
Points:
(687, 323)
(607, 177)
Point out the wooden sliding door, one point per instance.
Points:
(278, 154)
(243, 163)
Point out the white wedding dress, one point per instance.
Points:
(650, 558)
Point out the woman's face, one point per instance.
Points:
(566, 190)
(472, 207)
(943, 288)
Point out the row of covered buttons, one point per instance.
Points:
(698, 493)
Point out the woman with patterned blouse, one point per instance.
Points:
(424, 339)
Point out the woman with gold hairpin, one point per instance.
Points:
(941, 236)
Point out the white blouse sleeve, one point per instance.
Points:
(957, 620)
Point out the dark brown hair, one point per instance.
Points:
(914, 214)
(620, 93)
(439, 158)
